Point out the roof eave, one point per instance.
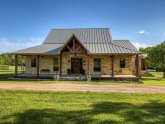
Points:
(35, 54)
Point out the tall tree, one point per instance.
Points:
(156, 56)
(9, 59)
(147, 60)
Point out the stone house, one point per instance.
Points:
(82, 53)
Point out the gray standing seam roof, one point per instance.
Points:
(40, 49)
(125, 43)
(85, 35)
(96, 40)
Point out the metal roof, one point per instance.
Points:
(108, 48)
(85, 35)
(125, 44)
(41, 49)
(96, 40)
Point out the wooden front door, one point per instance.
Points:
(76, 65)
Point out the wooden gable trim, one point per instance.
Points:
(67, 42)
(69, 48)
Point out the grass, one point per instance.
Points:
(30, 107)
(157, 80)
(33, 107)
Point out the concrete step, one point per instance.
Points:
(73, 78)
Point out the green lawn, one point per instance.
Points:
(5, 77)
(30, 107)
(154, 81)
(33, 107)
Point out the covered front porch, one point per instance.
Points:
(79, 67)
(73, 61)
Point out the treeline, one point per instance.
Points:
(155, 56)
(9, 59)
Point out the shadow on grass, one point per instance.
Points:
(151, 113)
(6, 77)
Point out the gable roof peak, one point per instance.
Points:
(85, 35)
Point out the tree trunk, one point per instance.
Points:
(164, 74)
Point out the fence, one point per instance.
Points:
(4, 67)
(7, 67)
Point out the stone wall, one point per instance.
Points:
(66, 62)
(46, 62)
(129, 65)
(106, 64)
(28, 68)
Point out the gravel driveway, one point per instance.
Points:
(83, 87)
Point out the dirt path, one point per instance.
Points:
(82, 87)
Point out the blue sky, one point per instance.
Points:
(25, 23)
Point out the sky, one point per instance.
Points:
(26, 23)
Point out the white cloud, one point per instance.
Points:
(143, 32)
(143, 45)
(164, 34)
(8, 45)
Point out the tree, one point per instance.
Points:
(2, 61)
(9, 59)
(147, 60)
(156, 56)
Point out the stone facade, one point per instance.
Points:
(129, 65)
(46, 62)
(28, 68)
(66, 62)
(106, 65)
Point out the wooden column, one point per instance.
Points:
(137, 65)
(61, 64)
(88, 64)
(59, 67)
(112, 57)
(74, 45)
(38, 66)
(16, 65)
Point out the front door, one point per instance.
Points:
(76, 65)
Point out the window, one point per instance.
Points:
(33, 62)
(97, 65)
(55, 65)
(122, 63)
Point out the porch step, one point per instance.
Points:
(73, 78)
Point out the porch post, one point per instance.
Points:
(137, 65)
(61, 64)
(38, 66)
(112, 66)
(88, 65)
(16, 65)
(74, 46)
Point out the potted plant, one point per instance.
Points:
(68, 71)
(83, 71)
